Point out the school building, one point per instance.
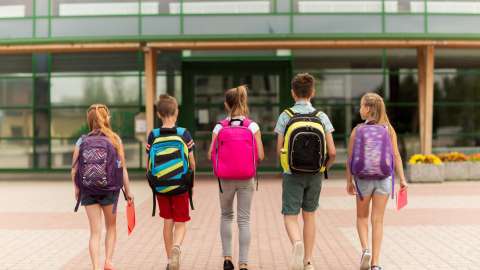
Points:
(59, 56)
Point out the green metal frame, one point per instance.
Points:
(291, 14)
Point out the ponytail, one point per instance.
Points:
(237, 101)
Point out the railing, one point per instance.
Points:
(57, 20)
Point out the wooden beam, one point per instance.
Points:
(69, 48)
(150, 86)
(426, 58)
(429, 92)
(309, 44)
(421, 52)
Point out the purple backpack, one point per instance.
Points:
(372, 154)
(98, 167)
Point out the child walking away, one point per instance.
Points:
(99, 173)
(170, 170)
(235, 149)
(306, 149)
(373, 158)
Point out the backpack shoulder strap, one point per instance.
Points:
(156, 132)
(224, 123)
(246, 122)
(315, 113)
(289, 112)
(180, 131)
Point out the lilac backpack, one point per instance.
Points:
(372, 154)
(99, 171)
(234, 153)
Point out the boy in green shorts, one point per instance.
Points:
(302, 191)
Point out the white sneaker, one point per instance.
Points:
(308, 266)
(365, 261)
(175, 260)
(296, 262)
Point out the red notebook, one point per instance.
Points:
(130, 216)
(402, 198)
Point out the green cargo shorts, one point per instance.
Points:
(300, 191)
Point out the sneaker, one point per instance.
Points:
(167, 267)
(365, 261)
(175, 260)
(308, 266)
(228, 265)
(376, 267)
(296, 262)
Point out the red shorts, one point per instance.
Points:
(174, 207)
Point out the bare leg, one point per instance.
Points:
(179, 233)
(308, 234)
(363, 211)
(298, 252)
(94, 214)
(293, 228)
(168, 236)
(378, 212)
(111, 236)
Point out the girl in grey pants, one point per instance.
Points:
(244, 190)
(236, 107)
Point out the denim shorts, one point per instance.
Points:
(371, 187)
(103, 200)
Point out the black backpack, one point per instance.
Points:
(305, 147)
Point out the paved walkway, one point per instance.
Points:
(439, 230)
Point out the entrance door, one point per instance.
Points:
(203, 87)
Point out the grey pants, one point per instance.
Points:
(244, 190)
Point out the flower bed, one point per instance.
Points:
(457, 166)
(425, 168)
(474, 167)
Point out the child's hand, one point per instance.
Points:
(351, 188)
(403, 184)
(129, 196)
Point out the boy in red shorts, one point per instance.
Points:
(174, 209)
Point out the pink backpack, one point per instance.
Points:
(234, 153)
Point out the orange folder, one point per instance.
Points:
(130, 216)
(402, 198)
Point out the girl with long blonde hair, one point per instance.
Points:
(98, 120)
(377, 191)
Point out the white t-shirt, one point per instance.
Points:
(253, 126)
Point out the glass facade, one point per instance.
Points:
(457, 100)
(44, 97)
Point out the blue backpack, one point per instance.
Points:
(168, 164)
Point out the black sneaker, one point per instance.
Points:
(228, 265)
(168, 267)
